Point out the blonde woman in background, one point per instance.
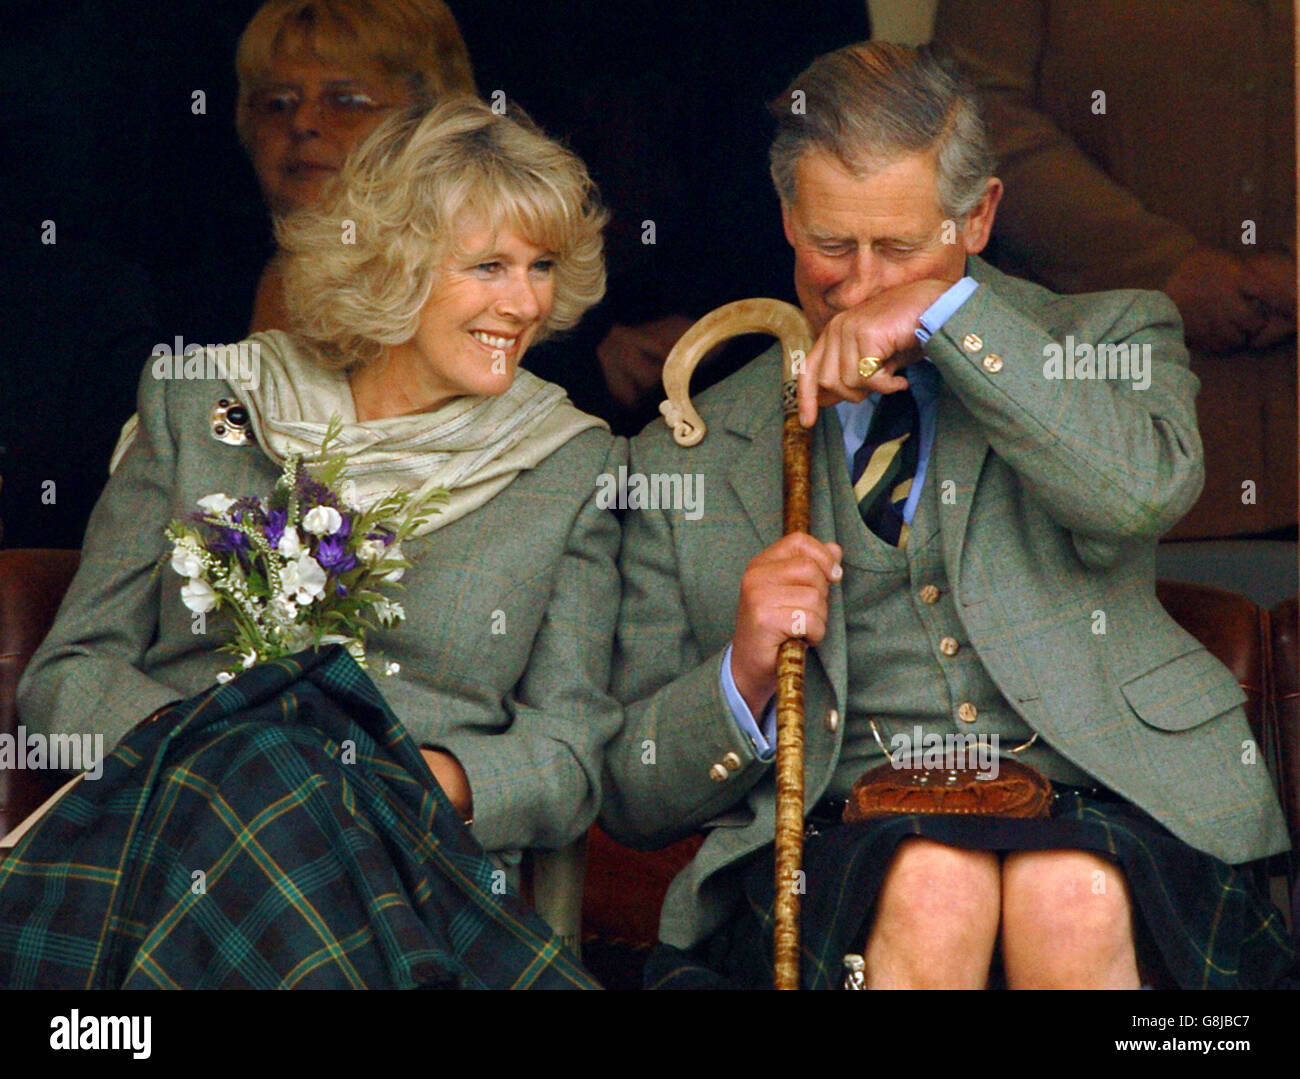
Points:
(318, 76)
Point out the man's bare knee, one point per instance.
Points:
(1066, 919)
(936, 917)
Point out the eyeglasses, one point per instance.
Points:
(339, 107)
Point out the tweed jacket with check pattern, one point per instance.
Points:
(504, 653)
(1060, 490)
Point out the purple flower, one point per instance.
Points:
(311, 492)
(340, 589)
(229, 541)
(333, 554)
(275, 522)
(383, 534)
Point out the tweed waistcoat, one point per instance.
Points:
(900, 626)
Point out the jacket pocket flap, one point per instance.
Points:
(1184, 693)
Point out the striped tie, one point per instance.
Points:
(884, 466)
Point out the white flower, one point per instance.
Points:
(322, 521)
(304, 578)
(290, 544)
(198, 595)
(392, 667)
(185, 559)
(224, 677)
(217, 503)
(282, 609)
(248, 659)
(388, 612)
(370, 551)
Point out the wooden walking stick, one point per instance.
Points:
(790, 326)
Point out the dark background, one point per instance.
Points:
(160, 228)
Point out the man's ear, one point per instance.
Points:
(979, 222)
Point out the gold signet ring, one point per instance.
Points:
(868, 366)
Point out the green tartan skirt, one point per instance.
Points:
(279, 831)
(1200, 924)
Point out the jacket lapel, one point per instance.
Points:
(957, 458)
(755, 478)
(832, 653)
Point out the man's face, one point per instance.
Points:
(854, 237)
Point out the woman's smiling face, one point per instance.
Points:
(490, 299)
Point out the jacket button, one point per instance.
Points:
(972, 342)
(967, 712)
(929, 594)
(731, 762)
(992, 363)
(718, 773)
(949, 646)
(832, 720)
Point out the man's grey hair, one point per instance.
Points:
(872, 103)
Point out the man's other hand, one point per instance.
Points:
(783, 595)
(884, 327)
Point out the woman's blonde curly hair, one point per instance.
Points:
(361, 265)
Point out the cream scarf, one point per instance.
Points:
(472, 447)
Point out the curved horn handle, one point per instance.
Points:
(784, 321)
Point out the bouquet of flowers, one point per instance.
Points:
(303, 568)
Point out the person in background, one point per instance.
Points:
(315, 78)
(1152, 145)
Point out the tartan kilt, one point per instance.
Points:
(1199, 922)
(279, 831)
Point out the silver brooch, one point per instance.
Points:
(230, 422)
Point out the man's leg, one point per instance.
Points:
(936, 919)
(1067, 922)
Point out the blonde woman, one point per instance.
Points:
(454, 241)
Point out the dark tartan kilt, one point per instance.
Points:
(1200, 923)
(279, 831)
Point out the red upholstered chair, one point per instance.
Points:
(32, 583)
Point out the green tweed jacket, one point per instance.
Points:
(505, 652)
(1057, 492)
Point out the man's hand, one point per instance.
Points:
(884, 327)
(632, 357)
(1213, 294)
(451, 778)
(783, 595)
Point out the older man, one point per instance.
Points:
(994, 490)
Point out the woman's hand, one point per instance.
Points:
(451, 778)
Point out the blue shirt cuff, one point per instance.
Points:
(939, 312)
(762, 740)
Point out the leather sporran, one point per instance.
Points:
(1016, 791)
